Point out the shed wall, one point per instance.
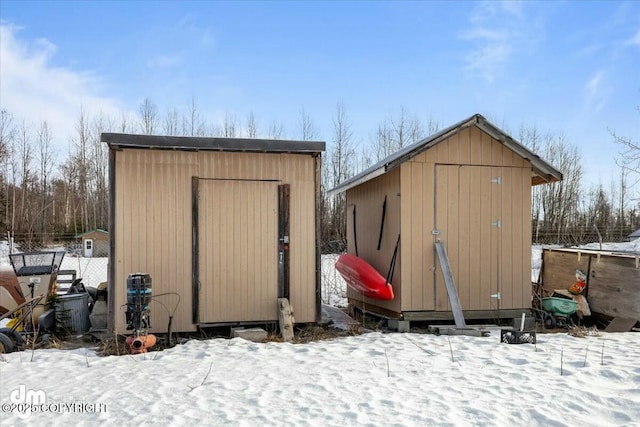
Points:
(483, 261)
(100, 243)
(100, 248)
(449, 188)
(368, 200)
(153, 223)
(461, 202)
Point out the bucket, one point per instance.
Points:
(72, 312)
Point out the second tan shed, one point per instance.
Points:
(468, 186)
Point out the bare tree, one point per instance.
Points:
(400, 130)
(433, 126)
(394, 134)
(7, 134)
(99, 164)
(622, 206)
(556, 206)
(530, 137)
(276, 130)
(629, 155)
(192, 123)
(307, 127)
(340, 167)
(7, 141)
(81, 144)
(342, 149)
(560, 200)
(25, 150)
(148, 117)
(383, 141)
(46, 159)
(125, 123)
(252, 126)
(170, 125)
(229, 126)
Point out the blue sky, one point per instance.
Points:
(570, 68)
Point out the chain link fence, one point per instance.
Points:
(579, 235)
(93, 271)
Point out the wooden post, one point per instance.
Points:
(458, 316)
(111, 265)
(195, 251)
(283, 240)
(286, 320)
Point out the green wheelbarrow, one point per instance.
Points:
(558, 312)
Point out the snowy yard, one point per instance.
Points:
(373, 379)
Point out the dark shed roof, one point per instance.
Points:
(195, 143)
(543, 172)
(95, 230)
(635, 234)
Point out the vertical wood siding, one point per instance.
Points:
(449, 188)
(152, 231)
(368, 199)
(238, 251)
(153, 223)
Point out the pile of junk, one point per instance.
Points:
(33, 303)
(562, 308)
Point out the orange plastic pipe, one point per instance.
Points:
(140, 344)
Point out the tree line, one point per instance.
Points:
(48, 195)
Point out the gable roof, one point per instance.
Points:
(635, 234)
(543, 172)
(119, 141)
(95, 230)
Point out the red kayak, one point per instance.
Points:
(362, 277)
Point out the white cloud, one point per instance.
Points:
(635, 40)
(202, 34)
(595, 92)
(34, 90)
(494, 33)
(165, 61)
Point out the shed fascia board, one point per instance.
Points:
(543, 171)
(541, 168)
(193, 143)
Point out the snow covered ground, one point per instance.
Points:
(374, 379)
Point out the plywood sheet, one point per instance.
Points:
(613, 288)
(559, 268)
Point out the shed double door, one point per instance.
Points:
(481, 215)
(238, 250)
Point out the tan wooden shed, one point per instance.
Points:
(468, 186)
(95, 243)
(223, 226)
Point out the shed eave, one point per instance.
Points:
(357, 180)
(120, 141)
